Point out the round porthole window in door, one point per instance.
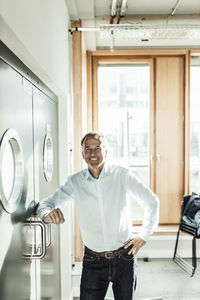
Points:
(11, 170)
(48, 155)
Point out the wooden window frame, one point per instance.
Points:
(94, 58)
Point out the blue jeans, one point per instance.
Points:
(99, 271)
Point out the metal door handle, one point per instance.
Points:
(48, 231)
(35, 254)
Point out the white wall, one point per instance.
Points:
(37, 32)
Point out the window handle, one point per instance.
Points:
(158, 158)
(151, 160)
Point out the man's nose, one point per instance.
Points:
(92, 151)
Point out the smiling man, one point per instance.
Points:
(100, 192)
(94, 153)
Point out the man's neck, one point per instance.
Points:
(96, 171)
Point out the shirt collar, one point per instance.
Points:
(104, 172)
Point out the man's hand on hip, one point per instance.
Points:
(55, 217)
(136, 243)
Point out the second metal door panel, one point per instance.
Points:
(45, 135)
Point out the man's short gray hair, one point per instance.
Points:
(94, 135)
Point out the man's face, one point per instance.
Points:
(94, 153)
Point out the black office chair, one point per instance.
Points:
(192, 229)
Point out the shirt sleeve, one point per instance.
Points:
(145, 198)
(59, 199)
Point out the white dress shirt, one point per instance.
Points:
(103, 207)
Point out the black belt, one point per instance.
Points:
(108, 254)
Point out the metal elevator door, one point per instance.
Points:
(46, 182)
(15, 110)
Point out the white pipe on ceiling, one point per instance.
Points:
(113, 10)
(176, 6)
(123, 8)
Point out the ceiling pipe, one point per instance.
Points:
(89, 29)
(176, 6)
(111, 20)
(123, 8)
(113, 10)
(118, 20)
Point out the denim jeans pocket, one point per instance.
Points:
(89, 258)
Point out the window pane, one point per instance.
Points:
(123, 98)
(8, 170)
(195, 126)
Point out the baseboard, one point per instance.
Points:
(162, 246)
(71, 296)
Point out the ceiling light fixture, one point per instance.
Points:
(151, 31)
(144, 32)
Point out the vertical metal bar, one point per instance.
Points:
(194, 258)
(176, 245)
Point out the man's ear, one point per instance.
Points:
(83, 154)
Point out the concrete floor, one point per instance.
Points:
(163, 279)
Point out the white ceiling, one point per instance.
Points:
(88, 9)
(92, 13)
(143, 7)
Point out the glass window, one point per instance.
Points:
(11, 170)
(48, 157)
(195, 125)
(124, 101)
(8, 170)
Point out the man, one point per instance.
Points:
(105, 220)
